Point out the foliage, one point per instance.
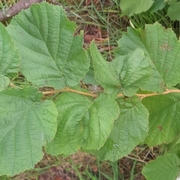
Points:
(10, 59)
(160, 46)
(134, 7)
(26, 125)
(132, 120)
(173, 10)
(138, 102)
(165, 167)
(131, 8)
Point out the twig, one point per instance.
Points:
(119, 95)
(129, 157)
(16, 8)
(23, 4)
(70, 90)
(167, 91)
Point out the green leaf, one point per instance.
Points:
(130, 7)
(72, 109)
(173, 11)
(82, 123)
(171, 1)
(134, 71)
(163, 168)
(174, 148)
(157, 5)
(103, 72)
(129, 130)
(162, 47)
(26, 124)
(51, 54)
(4, 82)
(164, 124)
(89, 78)
(9, 58)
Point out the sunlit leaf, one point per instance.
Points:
(51, 54)
(103, 72)
(162, 48)
(134, 70)
(82, 123)
(129, 130)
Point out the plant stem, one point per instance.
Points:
(167, 91)
(70, 90)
